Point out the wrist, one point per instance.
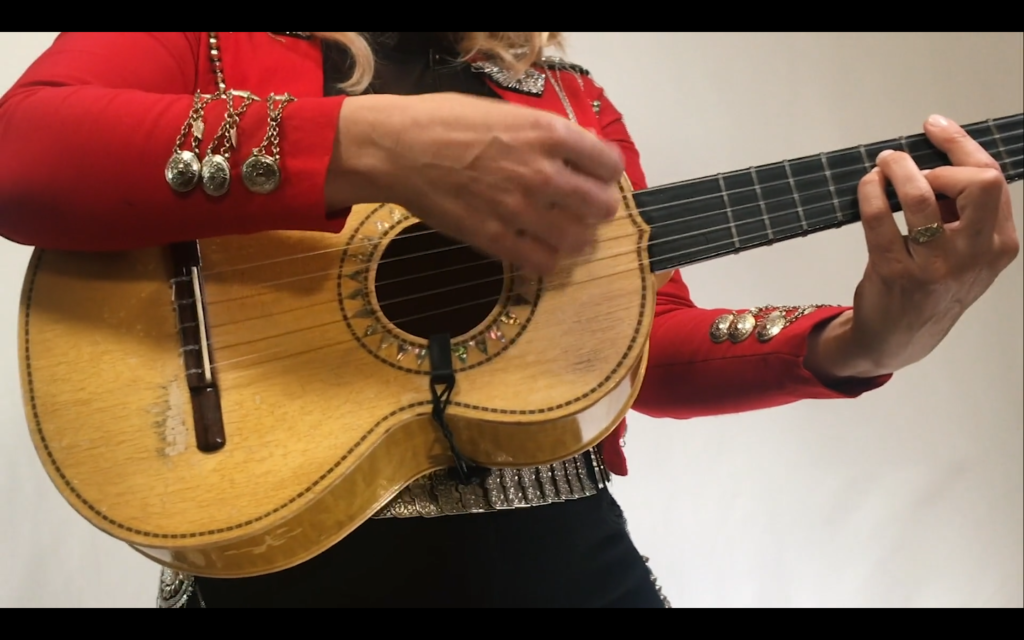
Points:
(359, 166)
(833, 354)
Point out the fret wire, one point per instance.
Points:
(864, 155)
(778, 214)
(1011, 175)
(906, 149)
(758, 185)
(760, 201)
(1014, 175)
(650, 261)
(674, 254)
(796, 196)
(728, 211)
(680, 236)
(832, 188)
(757, 188)
(868, 165)
(642, 261)
(703, 232)
(998, 138)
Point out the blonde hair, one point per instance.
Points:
(513, 51)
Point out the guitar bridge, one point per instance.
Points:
(197, 353)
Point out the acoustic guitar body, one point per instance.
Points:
(317, 347)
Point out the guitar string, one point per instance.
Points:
(758, 219)
(831, 188)
(232, 374)
(826, 174)
(391, 323)
(988, 125)
(371, 243)
(605, 257)
(591, 258)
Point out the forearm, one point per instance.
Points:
(361, 168)
(81, 168)
(691, 375)
(84, 143)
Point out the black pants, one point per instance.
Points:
(572, 554)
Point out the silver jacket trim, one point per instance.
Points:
(657, 587)
(175, 589)
(531, 83)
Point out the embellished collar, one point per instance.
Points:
(532, 82)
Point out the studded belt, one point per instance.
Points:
(437, 494)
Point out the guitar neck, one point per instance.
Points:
(698, 220)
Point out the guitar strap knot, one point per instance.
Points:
(442, 385)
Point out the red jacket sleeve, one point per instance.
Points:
(688, 375)
(86, 132)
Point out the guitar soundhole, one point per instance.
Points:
(428, 284)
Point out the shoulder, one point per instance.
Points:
(570, 76)
(557, 64)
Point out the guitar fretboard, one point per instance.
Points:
(697, 220)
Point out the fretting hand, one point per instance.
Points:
(916, 287)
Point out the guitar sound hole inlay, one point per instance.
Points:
(402, 282)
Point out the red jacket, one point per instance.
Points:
(86, 131)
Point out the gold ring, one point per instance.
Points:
(927, 233)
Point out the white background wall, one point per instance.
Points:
(909, 496)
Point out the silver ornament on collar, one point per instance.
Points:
(530, 83)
